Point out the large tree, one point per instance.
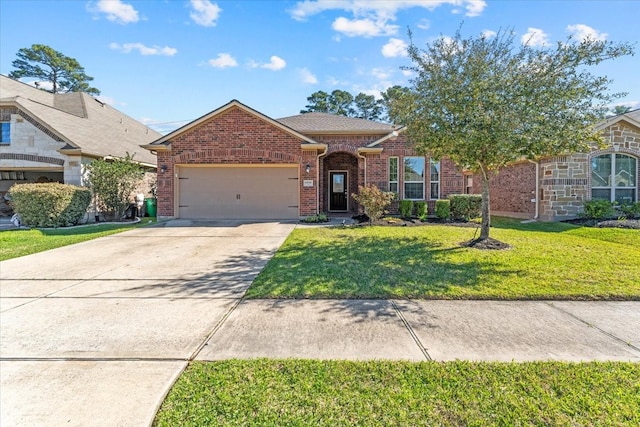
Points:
(46, 64)
(486, 102)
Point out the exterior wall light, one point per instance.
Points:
(308, 168)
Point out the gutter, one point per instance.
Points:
(537, 198)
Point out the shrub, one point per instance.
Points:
(443, 209)
(373, 200)
(321, 217)
(113, 182)
(598, 209)
(465, 206)
(421, 210)
(406, 208)
(631, 210)
(50, 205)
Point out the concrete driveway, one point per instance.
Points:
(96, 333)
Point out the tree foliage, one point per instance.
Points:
(46, 64)
(343, 103)
(113, 183)
(485, 102)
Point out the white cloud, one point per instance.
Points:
(487, 34)
(395, 47)
(275, 63)
(144, 50)
(117, 11)
(363, 27)
(205, 13)
(535, 37)
(424, 24)
(583, 32)
(224, 60)
(308, 77)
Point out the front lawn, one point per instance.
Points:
(16, 243)
(547, 261)
(343, 393)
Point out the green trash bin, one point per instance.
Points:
(151, 207)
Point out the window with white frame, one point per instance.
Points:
(393, 174)
(414, 178)
(5, 134)
(434, 179)
(614, 178)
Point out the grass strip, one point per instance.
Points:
(344, 393)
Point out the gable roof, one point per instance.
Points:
(631, 117)
(324, 123)
(232, 104)
(81, 121)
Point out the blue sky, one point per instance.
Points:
(169, 62)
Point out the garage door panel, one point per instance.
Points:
(238, 192)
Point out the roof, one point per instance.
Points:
(232, 104)
(324, 123)
(81, 121)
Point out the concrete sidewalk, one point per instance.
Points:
(429, 330)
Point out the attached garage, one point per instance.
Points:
(238, 191)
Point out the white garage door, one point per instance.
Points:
(238, 192)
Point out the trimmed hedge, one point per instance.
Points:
(406, 208)
(421, 210)
(50, 205)
(443, 209)
(465, 206)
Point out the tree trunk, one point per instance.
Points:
(486, 213)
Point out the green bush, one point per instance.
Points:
(421, 210)
(631, 210)
(321, 217)
(465, 206)
(50, 205)
(406, 208)
(443, 209)
(598, 209)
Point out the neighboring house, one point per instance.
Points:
(50, 137)
(555, 188)
(237, 163)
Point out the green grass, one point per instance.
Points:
(547, 261)
(342, 393)
(16, 243)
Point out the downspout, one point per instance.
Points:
(537, 198)
(326, 148)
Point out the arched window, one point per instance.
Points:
(614, 178)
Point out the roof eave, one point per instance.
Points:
(391, 135)
(313, 146)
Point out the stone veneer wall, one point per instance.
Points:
(566, 180)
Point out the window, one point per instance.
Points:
(393, 174)
(435, 179)
(614, 178)
(468, 186)
(5, 136)
(414, 178)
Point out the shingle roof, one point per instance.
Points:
(82, 121)
(318, 123)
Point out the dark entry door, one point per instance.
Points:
(338, 191)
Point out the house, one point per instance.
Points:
(49, 137)
(237, 163)
(555, 188)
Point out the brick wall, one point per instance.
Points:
(511, 190)
(231, 137)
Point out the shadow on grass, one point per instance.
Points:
(539, 226)
(354, 265)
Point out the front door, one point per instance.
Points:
(338, 191)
